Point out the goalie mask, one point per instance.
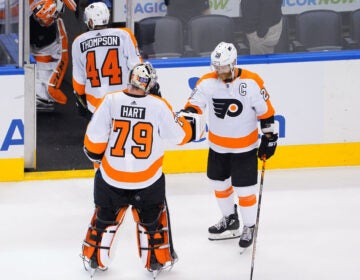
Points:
(223, 58)
(45, 12)
(96, 14)
(143, 76)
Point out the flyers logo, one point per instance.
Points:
(230, 107)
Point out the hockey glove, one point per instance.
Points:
(155, 90)
(197, 122)
(267, 146)
(81, 105)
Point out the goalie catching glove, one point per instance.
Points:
(197, 122)
(267, 145)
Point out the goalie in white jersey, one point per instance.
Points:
(125, 136)
(235, 99)
(102, 58)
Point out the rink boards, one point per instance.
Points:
(315, 96)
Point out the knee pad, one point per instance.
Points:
(98, 244)
(155, 241)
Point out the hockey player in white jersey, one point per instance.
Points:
(235, 100)
(125, 137)
(49, 46)
(102, 58)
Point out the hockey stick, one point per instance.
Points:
(257, 217)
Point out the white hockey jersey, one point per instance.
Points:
(130, 130)
(233, 109)
(102, 60)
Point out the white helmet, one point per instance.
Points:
(96, 14)
(223, 55)
(143, 76)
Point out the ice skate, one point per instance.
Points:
(92, 265)
(226, 228)
(246, 238)
(156, 268)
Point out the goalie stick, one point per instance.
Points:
(257, 217)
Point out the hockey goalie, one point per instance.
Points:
(49, 47)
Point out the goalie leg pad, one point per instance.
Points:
(98, 244)
(71, 4)
(154, 241)
(58, 74)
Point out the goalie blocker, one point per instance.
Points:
(197, 122)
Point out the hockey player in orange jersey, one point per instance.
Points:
(125, 136)
(102, 58)
(235, 100)
(49, 46)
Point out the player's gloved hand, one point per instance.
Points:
(81, 106)
(267, 145)
(197, 122)
(155, 90)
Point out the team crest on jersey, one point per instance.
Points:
(132, 112)
(227, 107)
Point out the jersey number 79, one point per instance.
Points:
(141, 134)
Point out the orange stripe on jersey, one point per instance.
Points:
(246, 201)
(225, 193)
(97, 148)
(93, 100)
(210, 75)
(245, 74)
(44, 58)
(133, 39)
(189, 105)
(131, 177)
(185, 124)
(234, 143)
(187, 129)
(270, 112)
(79, 88)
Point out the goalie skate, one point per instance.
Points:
(91, 266)
(156, 268)
(226, 228)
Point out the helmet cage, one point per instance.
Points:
(143, 76)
